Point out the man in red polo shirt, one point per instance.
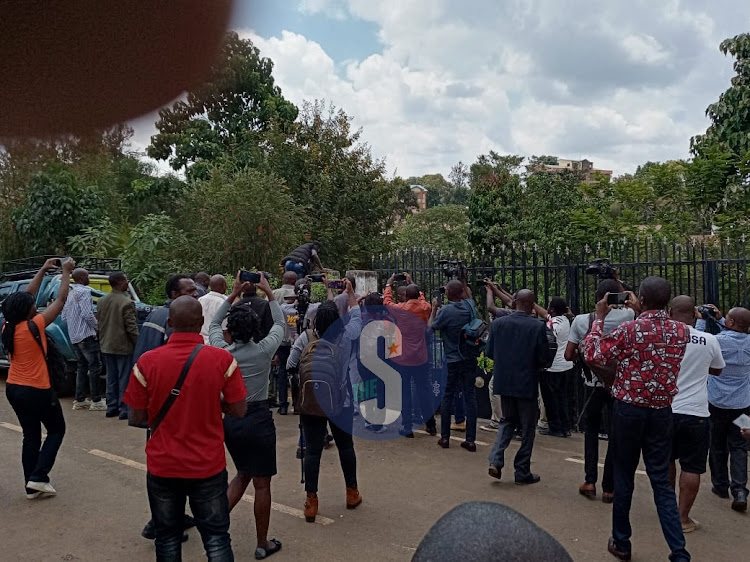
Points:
(412, 360)
(185, 455)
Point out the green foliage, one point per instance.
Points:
(225, 117)
(154, 251)
(438, 228)
(56, 208)
(240, 219)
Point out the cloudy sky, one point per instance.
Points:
(432, 82)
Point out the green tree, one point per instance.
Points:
(437, 228)
(240, 218)
(227, 116)
(56, 207)
(730, 116)
(334, 179)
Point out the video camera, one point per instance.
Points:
(601, 268)
(453, 269)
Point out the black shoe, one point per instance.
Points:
(469, 446)
(444, 443)
(189, 522)
(327, 441)
(148, 532)
(723, 494)
(112, 414)
(283, 409)
(619, 554)
(541, 430)
(300, 453)
(431, 429)
(495, 472)
(740, 502)
(530, 479)
(123, 416)
(561, 434)
(408, 433)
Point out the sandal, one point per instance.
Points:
(261, 553)
(690, 527)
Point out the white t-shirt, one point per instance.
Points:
(561, 327)
(703, 352)
(211, 303)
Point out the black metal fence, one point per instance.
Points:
(713, 272)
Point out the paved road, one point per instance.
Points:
(407, 485)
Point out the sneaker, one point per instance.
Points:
(458, 426)
(33, 496)
(492, 426)
(84, 405)
(43, 487)
(100, 406)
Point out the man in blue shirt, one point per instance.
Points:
(518, 346)
(462, 365)
(729, 398)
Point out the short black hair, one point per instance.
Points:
(606, 286)
(558, 305)
(498, 533)
(655, 292)
(173, 284)
(116, 277)
(15, 309)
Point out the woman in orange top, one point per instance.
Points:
(28, 387)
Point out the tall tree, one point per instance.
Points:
(444, 228)
(226, 116)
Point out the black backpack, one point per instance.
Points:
(56, 367)
(552, 343)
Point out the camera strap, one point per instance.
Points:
(175, 392)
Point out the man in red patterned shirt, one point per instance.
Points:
(648, 352)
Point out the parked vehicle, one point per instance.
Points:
(12, 281)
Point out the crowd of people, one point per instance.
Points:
(670, 391)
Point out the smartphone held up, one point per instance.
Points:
(617, 299)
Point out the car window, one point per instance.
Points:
(5, 290)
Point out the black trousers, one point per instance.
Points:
(36, 407)
(554, 387)
(314, 429)
(727, 444)
(600, 401)
(517, 412)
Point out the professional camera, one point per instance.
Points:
(453, 269)
(707, 312)
(302, 291)
(601, 268)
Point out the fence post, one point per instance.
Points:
(571, 288)
(711, 282)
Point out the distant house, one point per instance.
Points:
(585, 167)
(420, 192)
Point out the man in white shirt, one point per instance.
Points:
(690, 413)
(211, 302)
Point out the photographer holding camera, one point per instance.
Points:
(729, 398)
(450, 321)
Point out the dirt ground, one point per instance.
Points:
(407, 485)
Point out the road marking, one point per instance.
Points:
(248, 498)
(600, 465)
(423, 432)
(115, 458)
(11, 427)
(290, 510)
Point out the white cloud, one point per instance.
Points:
(618, 83)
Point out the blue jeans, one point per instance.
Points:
(461, 378)
(637, 430)
(459, 407)
(421, 397)
(296, 267)
(282, 379)
(210, 507)
(118, 375)
(34, 408)
(89, 369)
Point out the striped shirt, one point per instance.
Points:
(78, 314)
(731, 390)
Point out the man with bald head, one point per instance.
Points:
(518, 346)
(78, 314)
(648, 352)
(449, 320)
(690, 409)
(202, 283)
(185, 456)
(211, 302)
(729, 398)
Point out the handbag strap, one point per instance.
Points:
(175, 392)
(34, 329)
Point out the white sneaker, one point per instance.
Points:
(490, 427)
(42, 487)
(85, 405)
(100, 406)
(33, 496)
